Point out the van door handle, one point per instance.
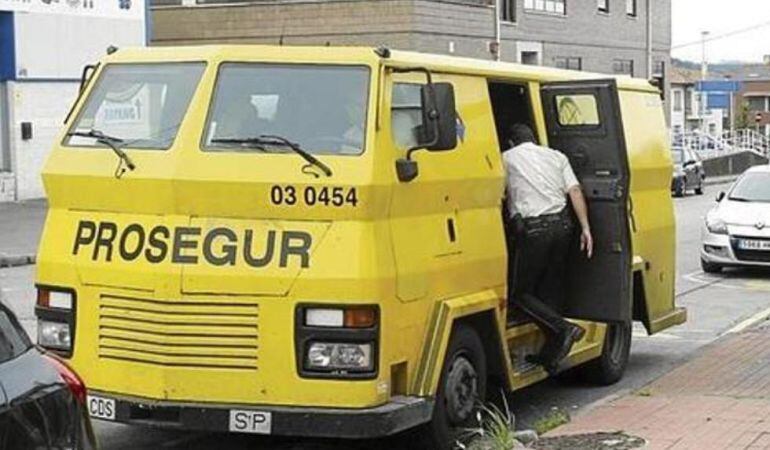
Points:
(631, 213)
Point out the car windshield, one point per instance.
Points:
(140, 104)
(677, 155)
(752, 187)
(320, 108)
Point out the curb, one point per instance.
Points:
(713, 181)
(7, 261)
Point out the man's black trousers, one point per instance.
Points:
(537, 271)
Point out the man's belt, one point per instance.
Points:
(546, 220)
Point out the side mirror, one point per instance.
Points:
(439, 117)
(720, 196)
(438, 131)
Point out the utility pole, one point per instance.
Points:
(704, 72)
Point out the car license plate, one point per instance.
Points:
(752, 244)
(101, 408)
(256, 422)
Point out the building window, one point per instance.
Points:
(508, 10)
(678, 103)
(551, 6)
(659, 69)
(604, 6)
(623, 67)
(566, 62)
(631, 8)
(757, 104)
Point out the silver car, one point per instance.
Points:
(736, 231)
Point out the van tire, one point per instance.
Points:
(608, 368)
(451, 419)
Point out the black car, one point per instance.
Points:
(42, 401)
(688, 172)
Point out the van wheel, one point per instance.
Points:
(609, 367)
(710, 267)
(462, 388)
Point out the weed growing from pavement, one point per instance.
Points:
(496, 429)
(555, 418)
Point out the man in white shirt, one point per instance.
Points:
(538, 182)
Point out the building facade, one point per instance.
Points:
(608, 36)
(43, 48)
(752, 105)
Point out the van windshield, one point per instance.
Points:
(321, 108)
(142, 105)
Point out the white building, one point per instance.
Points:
(688, 106)
(44, 46)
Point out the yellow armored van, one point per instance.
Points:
(309, 241)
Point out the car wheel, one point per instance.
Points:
(462, 388)
(608, 368)
(699, 189)
(679, 188)
(710, 267)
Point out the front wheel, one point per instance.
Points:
(461, 390)
(609, 367)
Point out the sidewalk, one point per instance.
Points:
(20, 227)
(719, 400)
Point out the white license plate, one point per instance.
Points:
(101, 408)
(750, 244)
(256, 422)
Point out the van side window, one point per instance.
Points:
(405, 114)
(577, 110)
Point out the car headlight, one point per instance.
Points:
(339, 356)
(716, 225)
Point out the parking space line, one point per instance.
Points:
(751, 321)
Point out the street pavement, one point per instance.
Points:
(719, 400)
(716, 304)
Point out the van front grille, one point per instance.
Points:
(179, 333)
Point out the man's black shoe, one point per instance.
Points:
(573, 334)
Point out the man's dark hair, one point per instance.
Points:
(520, 133)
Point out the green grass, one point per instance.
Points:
(496, 430)
(553, 419)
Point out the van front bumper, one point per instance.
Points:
(401, 413)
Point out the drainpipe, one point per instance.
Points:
(649, 41)
(496, 44)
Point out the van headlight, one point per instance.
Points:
(716, 225)
(339, 356)
(55, 311)
(337, 341)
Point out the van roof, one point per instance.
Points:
(438, 63)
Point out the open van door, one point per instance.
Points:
(584, 122)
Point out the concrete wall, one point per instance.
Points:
(44, 104)
(734, 164)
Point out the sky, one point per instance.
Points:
(719, 17)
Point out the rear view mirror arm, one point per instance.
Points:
(432, 113)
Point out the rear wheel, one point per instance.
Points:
(461, 390)
(699, 188)
(610, 366)
(710, 267)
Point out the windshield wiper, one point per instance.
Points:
(271, 139)
(110, 141)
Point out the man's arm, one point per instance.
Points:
(581, 211)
